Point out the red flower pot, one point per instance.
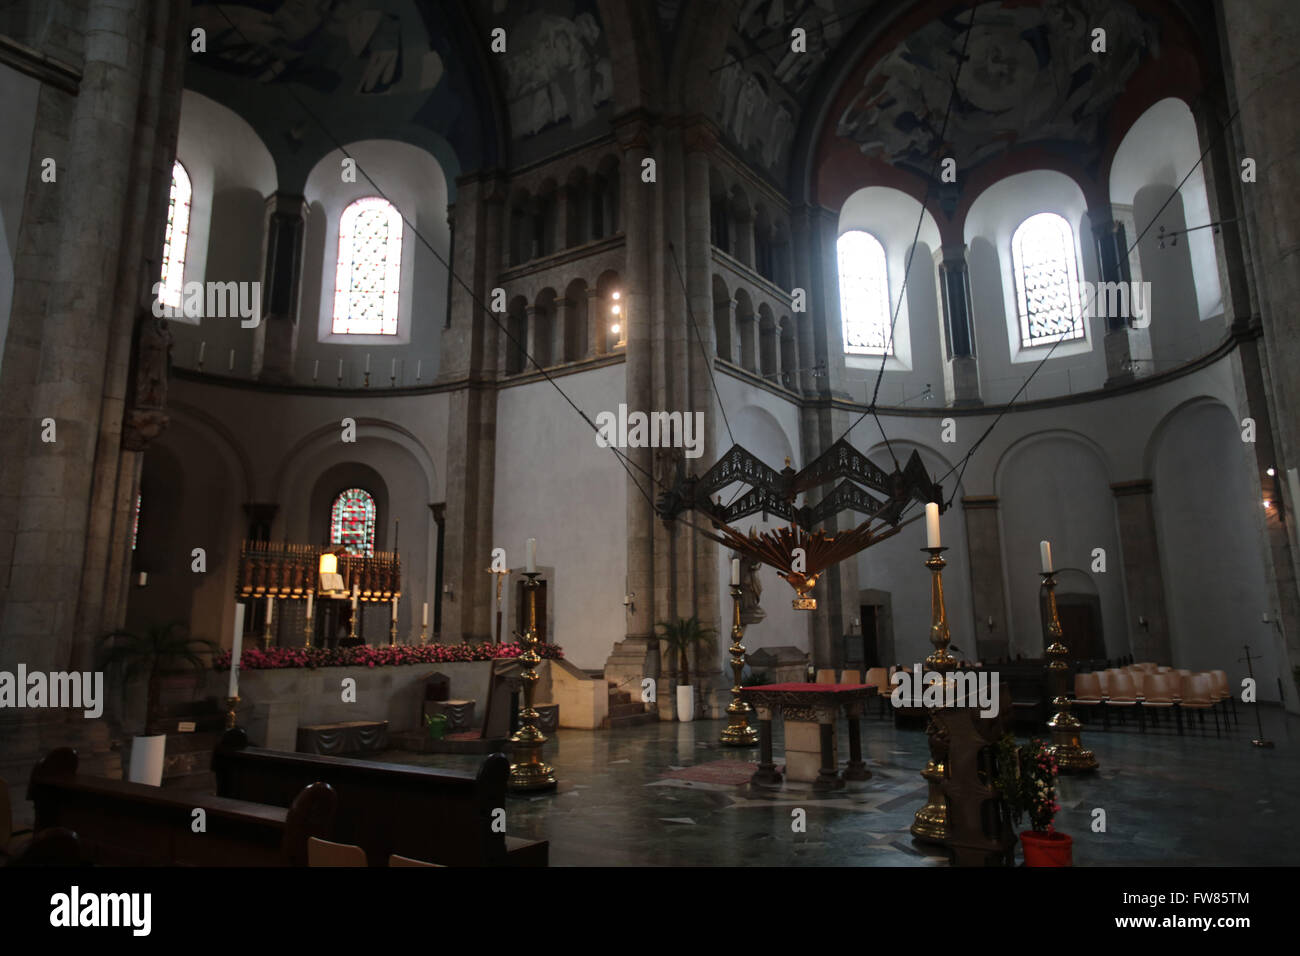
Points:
(1047, 849)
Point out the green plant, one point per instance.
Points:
(437, 724)
(680, 637)
(1027, 779)
(161, 649)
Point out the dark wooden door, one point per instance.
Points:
(1080, 631)
(870, 635)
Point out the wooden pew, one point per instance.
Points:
(119, 823)
(438, 816)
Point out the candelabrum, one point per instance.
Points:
(352, 623)
(931, 821)
(738, 732)
(1064, 726)
(266, 633)
(232, 703)
(529, 772)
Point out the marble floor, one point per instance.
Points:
(625, 798)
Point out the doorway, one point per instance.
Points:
(870, 616)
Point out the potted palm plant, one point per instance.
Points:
(681, 636)
(162, 649)
(1027, 779)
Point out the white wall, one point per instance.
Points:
(554, 483)
(1209, 526)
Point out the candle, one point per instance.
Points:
(203, 347)
(354, 595)
(532, 555)
(367, 363)
(424, 616)
(932, 525)
(144, 578)
(231, 366)
(270, 606)
(236, 650)
(315, 369)
(419, 365)
(1045, 555)
(735, 572)
(394, 608)
(310, 595)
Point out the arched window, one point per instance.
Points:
(352, 522)
(369, 268)
(177, 237)
(1047, 281)
(864, 294)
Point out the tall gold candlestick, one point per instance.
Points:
(529, 772)
(931, 821)
(1064, 726)
(738, 732)
(232, 704)
(270, 613)
(307, 628)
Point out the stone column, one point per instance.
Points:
(1126, 347)
(596, 338)
(559, 330)
(1143, 577)
(275, 340)
(987, 585)
(960, 370)
(1262, 49)
(536, 339)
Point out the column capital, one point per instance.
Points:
(287, 204)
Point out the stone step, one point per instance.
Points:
(626, 709)
(631, 720)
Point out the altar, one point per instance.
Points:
(809, 712)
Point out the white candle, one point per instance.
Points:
(932, 525)
(310, 595)
(203, 347)
(532, 555)
(270, 606)
(144, 578)
(236, 650)
(367, 363)
(394, 608)
(354, 595)
(735, 572)
(231, 366)
(315, 369)
(424, 616)
(1045, 555)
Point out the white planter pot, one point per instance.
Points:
(147, 760)
(685, 702)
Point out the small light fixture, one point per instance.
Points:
(329, 563)
(629, 602)
(1268, 503)
(616, 309)
(1270, 471)
(616, 329)
(143, 578)
(446, 589)
(617, 295)
(1142, 622)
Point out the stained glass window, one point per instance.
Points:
(369, 268)
(1047, 280)
(352, 522)
(864, 294)
(135, 522)
(177, 237)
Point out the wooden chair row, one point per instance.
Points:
(1148, 689)
(327, 853)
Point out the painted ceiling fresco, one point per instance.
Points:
(365, 68)
(1030, 77)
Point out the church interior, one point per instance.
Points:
(654, 433)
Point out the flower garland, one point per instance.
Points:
(1027, 779)
(277, 658)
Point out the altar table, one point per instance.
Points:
(815, 703)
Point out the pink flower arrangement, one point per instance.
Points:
(365, 655)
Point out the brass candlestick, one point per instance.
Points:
(307, 628)
(356, 613)
(424, 634)
(231, 704)
(738, 732)
(501, 576)
(1064, 726)
(529, 772)
(270, 613)
(392, 627)
(931, 821)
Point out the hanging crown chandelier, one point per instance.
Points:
(801, 551)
